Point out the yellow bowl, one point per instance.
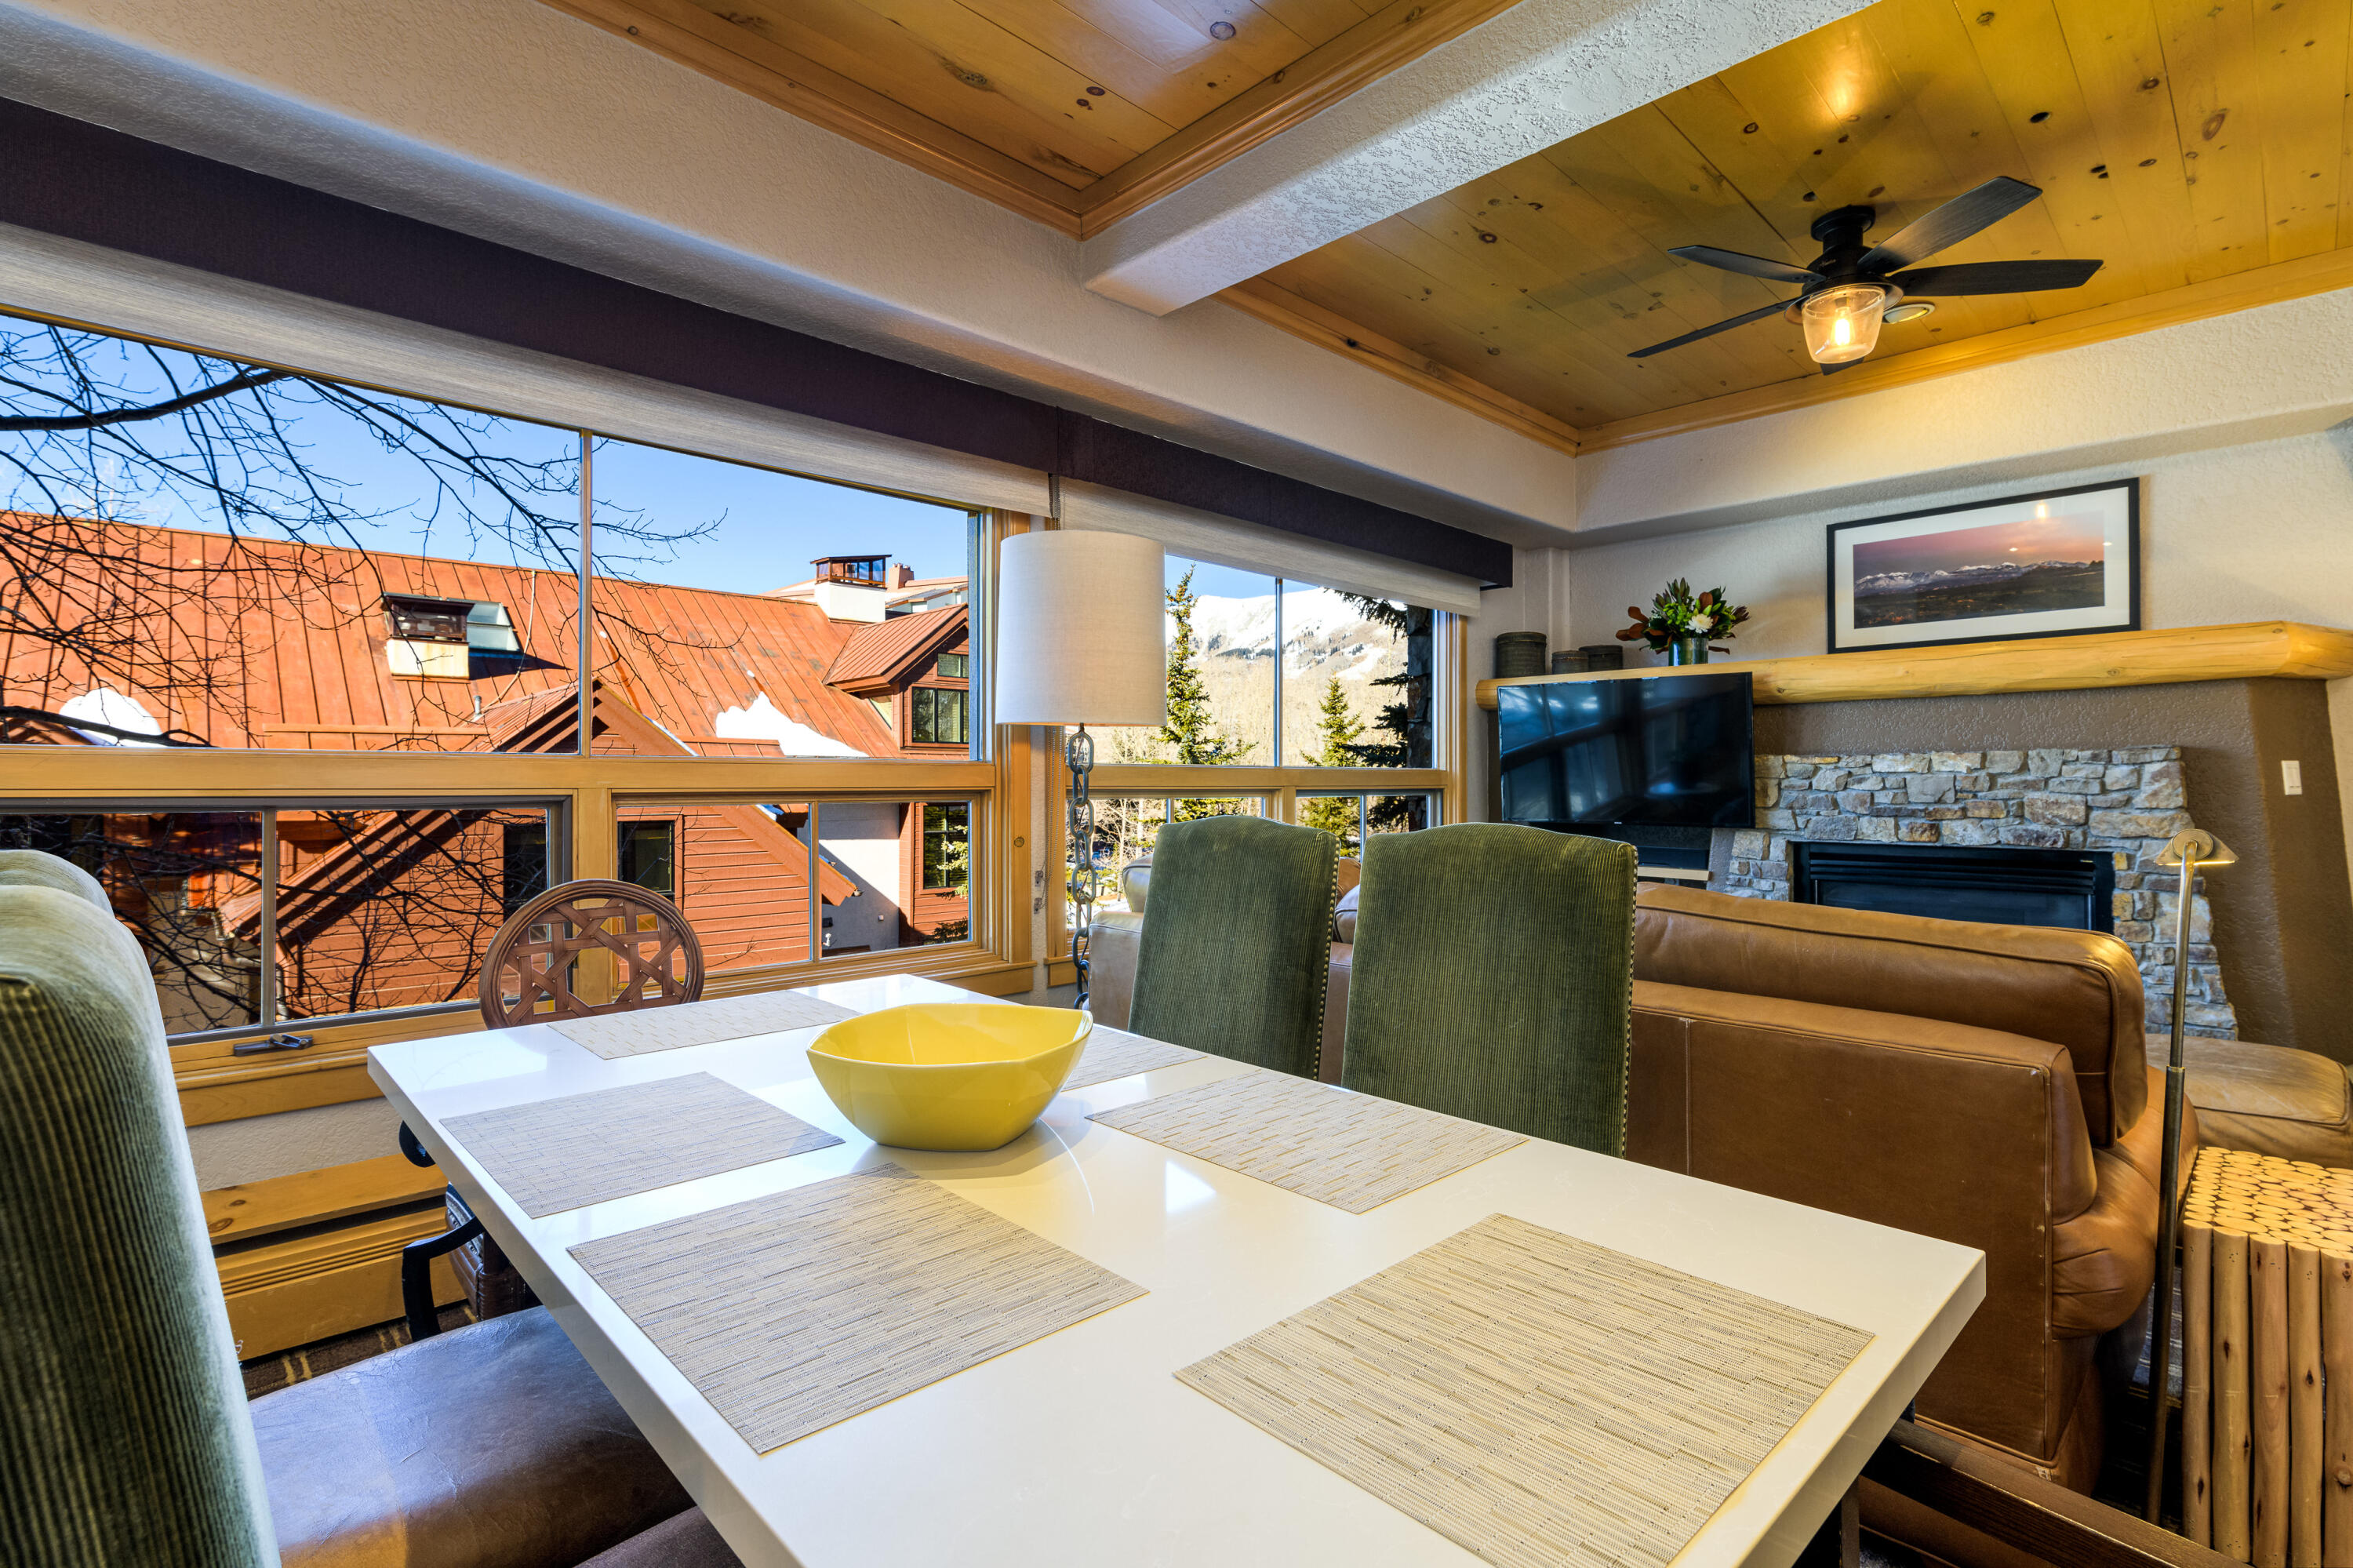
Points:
(948, 1076)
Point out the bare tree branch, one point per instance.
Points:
(91, 421)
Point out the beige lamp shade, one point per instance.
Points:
(1078, 639)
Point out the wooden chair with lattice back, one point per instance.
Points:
(575, 951)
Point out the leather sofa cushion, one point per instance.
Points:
(493, 1446)
(2078, 989)
(2267, 1100)
(2104, 1257)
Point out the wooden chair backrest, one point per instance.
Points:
(626, 947)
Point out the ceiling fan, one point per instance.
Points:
(1851, 288)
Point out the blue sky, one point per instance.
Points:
(763, 529)
(725, 527)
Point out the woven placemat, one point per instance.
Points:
(646, 1030)
(1115, 1054)
(1534, 1398)
(1353, 1151)
(794, 1311)
(559, 1154)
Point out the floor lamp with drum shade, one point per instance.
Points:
(1079, 642)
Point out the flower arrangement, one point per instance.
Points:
(1676, 614)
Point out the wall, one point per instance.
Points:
(1537, 601)
(2244, 532)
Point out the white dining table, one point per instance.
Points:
(1084, 1446)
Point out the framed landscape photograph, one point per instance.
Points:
(2046, 565)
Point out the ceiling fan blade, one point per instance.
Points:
(1759, 313)
(1995, 277)
(1738, 261)
(1950, 224)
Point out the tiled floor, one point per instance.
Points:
(266, 1374)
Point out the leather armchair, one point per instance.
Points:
(1986, 1085)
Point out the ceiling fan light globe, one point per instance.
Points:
(1841, 324)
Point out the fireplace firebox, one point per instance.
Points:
(2011, 887)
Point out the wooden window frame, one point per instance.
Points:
(1281, 787)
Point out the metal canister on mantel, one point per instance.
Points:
(1519, 653)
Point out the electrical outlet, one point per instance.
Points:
(2292, 777)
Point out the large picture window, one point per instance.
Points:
(214, 554)
(209, 561)
(1265, 671)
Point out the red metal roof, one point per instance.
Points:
(295, 638)
(880, 655)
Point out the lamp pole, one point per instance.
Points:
(2190, 850)
(1079, 753)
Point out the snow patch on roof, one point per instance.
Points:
(765, 721)
(104, 704)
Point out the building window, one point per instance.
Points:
(954, 666)
(947, 847)
(938, 716)
(646, 855)
(524, 852)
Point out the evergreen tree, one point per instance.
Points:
(1191, 732)
(1400, 736)
(1336, 729)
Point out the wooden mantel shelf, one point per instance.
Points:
(2251, 651)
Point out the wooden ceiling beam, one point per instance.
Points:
(1398, 34)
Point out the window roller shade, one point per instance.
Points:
(1251, 548)
(112, 290)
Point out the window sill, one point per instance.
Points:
(216, 1086)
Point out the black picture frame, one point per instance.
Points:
(1839, 629)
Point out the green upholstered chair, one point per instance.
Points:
(125, 1436)
(123, 1432)
(1236, 941)
(1493, 979)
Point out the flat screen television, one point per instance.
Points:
(1651, 751)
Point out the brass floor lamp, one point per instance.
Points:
(2189, 853)
(1079, 642)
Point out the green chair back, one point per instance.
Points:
(1237, 944)
(1493, 979)
(124, 1437)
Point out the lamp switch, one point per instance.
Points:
(2292, 777)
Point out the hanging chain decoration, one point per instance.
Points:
(1079, 752)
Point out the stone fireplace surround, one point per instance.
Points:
(2127, 801)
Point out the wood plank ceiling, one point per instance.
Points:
(1073, 111)
(2200, 147)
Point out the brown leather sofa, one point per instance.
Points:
(1981, 1084)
